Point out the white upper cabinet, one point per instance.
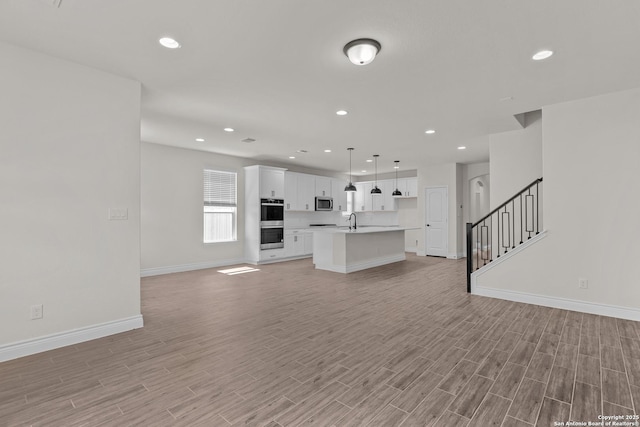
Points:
(363, 199)
(339, 195)
(299, 192)
(290, 191)
(271, 183)
(408, 187)
(384, 201)
(306, 192)
(323, 186)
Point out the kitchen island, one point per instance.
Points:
(345, 251)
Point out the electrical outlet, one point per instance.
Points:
(36, 311)
(583, 283)
(116, 214)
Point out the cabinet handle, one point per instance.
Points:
(307, 206)
(288, 207)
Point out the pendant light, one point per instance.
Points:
(397, 192)
(350, 188)
(375, 189)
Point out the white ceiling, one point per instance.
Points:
(274, 69)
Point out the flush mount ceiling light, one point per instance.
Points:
(543, 54)
(362, 51)
(429, 131)
(327, 151)
(229, 129)
(200, 139)
(397, 192)
(462, 147)
(350, 187)
(375, 189)
(341, 112)
(169, 43)
(292, 157)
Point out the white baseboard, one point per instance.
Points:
(412, 249)
(455, 256)
(557, 302)
(63, 339)
(363, 265)
(156, 271)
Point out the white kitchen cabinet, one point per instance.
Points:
(306, 190)
(260, 182)
(323, 186)
(272, 255)
(293, 243)
(339, 195)
(290, 191)
(298, 243)
(359, 198)
(412, 187)
(384, 201)
(408, 187)
(271, 183)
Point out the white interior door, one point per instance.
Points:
(436, 221)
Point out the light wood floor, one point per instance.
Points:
(397, 345)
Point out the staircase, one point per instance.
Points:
(504, 228)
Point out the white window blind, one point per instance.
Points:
(220, 206)
(219, 188)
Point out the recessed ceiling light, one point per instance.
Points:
(199, 139)
(169, 43)
(341, 112)
(229, 129)
(543, 54)
(396, 167)
(363, 170)
(369, 160)
(429, 131)
(327, 151)
(292, 157)
(462, 147)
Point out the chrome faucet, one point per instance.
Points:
(355, 221)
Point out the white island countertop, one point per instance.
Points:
(363, 229)
(344, 251)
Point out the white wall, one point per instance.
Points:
(443, 175)
(516, 159)
(471, 172)
(591, 205)
(172, 219)
(69, 138)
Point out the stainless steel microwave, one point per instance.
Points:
(324, 204)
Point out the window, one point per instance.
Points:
(220, 206)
